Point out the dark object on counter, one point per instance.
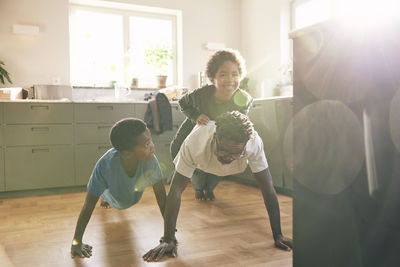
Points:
(158, 115)
(25, 94)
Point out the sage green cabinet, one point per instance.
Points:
(102, 112)
(38, 145)
(2, 180)
(162, 141)
(38, 134)
(93, 122)
(34, 167)
(86, 156)
(30, 113)
(271, 118)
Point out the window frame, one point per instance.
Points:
(128, 10)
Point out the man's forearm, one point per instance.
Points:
(159, 191)
(264, 180)
(172, 205)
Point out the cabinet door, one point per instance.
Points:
(263, 116)
(177, 116)
(15, 113)
(140, 110)
(1, 113)
(102, 113)
(1, 136)
(86, 157)
(2, 182)
(38, 167)
(38, 134)
(284, 112)
(92, 133)
(164, 158)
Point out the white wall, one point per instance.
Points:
(265, 46)
(38, 59)
(255, 27)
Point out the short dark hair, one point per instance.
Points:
(124, 133)
(221, 56)
(234, 126)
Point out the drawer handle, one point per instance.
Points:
(256, 106)
(38, 107)
(40, 129)
(105, 107)
(103, 147)
(40, 150)
(103, 127)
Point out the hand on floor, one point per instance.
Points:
(163, 248)
(81, 250)
(284, 243)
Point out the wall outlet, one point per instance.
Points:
(56, 80)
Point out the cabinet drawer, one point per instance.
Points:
(37, 113)
(38, 167)
(2, 183)
(164, 159)
(177, 116)
(1, 135)
(86, 157)
(1, 113)
(92, 133)
(102, 113)
(15, 135)
(140, 110)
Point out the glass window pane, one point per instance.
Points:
(145, 31)
(96, 48)
(312, 12)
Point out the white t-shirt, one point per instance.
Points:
(198, 152)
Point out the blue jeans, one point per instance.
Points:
(203, 181)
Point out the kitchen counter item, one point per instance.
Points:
(56, 92)
(10, 93)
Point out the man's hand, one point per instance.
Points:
(202, 119)
(284, 243)
(158, 252)
(81, 250)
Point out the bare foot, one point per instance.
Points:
(104, 204)
(199, 195)
(210, 196)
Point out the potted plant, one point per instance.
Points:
(4, 74)
(159, 57)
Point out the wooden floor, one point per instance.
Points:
(232, 230)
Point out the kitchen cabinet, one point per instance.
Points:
(2, 182)
(271, 118)
(93, 122)
(162, 141)
(38, 145)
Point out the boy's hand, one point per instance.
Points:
(284, 243)
(81, 250)
(158, 252)
(202, 119)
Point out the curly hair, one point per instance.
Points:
(234, 126)
(124, 133)
(221, 56)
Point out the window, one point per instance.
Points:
(108, 43)
(309, 12)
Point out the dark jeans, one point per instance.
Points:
(203, 181)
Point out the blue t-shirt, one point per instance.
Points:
(110, 181)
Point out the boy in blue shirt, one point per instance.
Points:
(120, 176)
